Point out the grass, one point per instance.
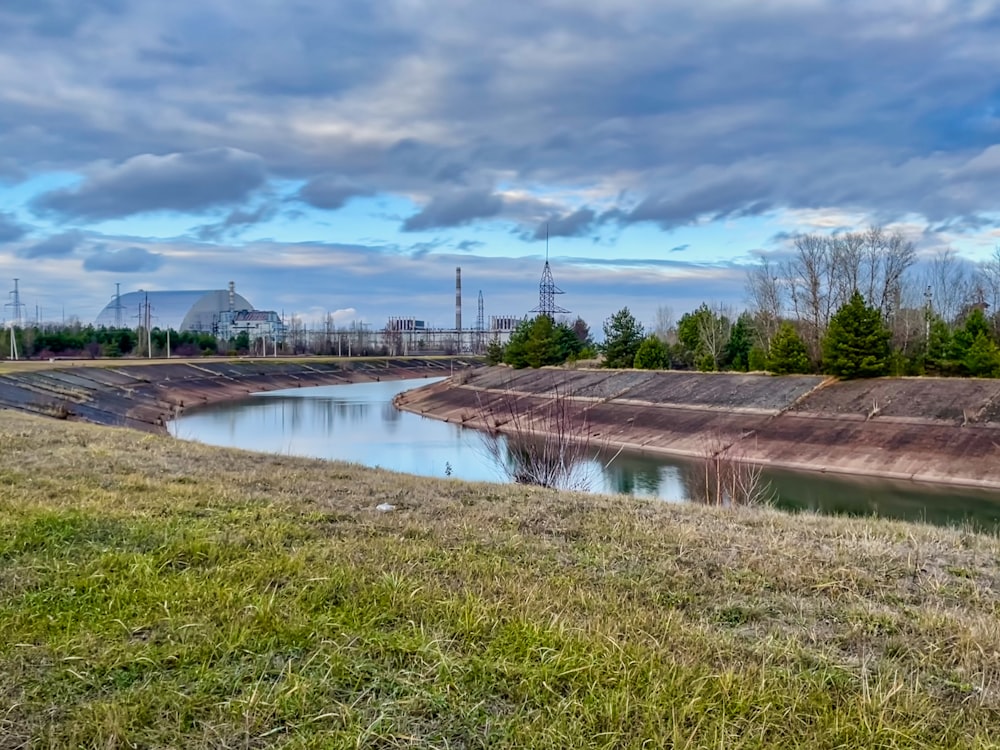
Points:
(160, 594)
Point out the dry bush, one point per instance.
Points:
(725, 476)
(547, 444)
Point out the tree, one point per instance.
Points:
(703, 335)
(652, 354)
(539, 342)
(982, 360)
(973, 351)
(494, 352)
(622, 336)
(582, 331)
(857, 341)
(788, 352)
(663, 326)
(737, 352)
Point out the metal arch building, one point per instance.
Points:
(199, 311)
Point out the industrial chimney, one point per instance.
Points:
(458, 301)
(232, 295)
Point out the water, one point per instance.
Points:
(358, 423)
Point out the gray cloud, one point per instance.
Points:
(54, 18)
(236, 221)
(125, 260)
(665, 114)
(56, 246)
(653, 92)
(330, 193)
(573, 224)
(455, 208)
(10, 228)
(176, 182)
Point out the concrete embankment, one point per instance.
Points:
(146, 396)
(926, 429)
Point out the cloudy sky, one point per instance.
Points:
(342, 155)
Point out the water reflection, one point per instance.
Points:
(358, 423)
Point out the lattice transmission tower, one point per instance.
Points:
(547, 289)
(15, 322)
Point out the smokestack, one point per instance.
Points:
(232, 295)
(458, 299)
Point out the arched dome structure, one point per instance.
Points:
(181, 311)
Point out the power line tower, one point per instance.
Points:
(480, 324)
(547, 289)
(15, 322)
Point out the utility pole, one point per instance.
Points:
(927, 317)
(149, 331)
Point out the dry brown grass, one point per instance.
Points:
(169, 594)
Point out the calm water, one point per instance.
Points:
(358, 423)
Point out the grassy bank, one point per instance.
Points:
(161, 594)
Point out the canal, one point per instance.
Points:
(358, 423)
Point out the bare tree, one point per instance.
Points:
(724, 475)
(809, 276)
(664, 326)
(714, 331)
(951, 281)
(545, 444)
(989, 271)
(764, 288)
(822, 275)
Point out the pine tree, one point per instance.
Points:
(982, 359)
(788, 352)
(622, 336)
(736, 355)
(857, 341)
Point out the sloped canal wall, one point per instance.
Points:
(925, 429)
(146, 397)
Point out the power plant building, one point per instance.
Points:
(219, 312)
(197, 311)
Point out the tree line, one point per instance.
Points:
(87, 341)
(852, 304)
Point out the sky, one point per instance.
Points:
(342, 156)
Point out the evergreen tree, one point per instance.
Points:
(622, 336)
(939, 344)
(539, 342)
(982, 359)
(652, 355)
(857, 341)
(974, 334)
(494, 352)
(736, 355)
(788, 352)
(757, 359)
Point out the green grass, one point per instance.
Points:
(160, 594)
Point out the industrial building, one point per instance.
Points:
(220, 312)
(408, 335)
